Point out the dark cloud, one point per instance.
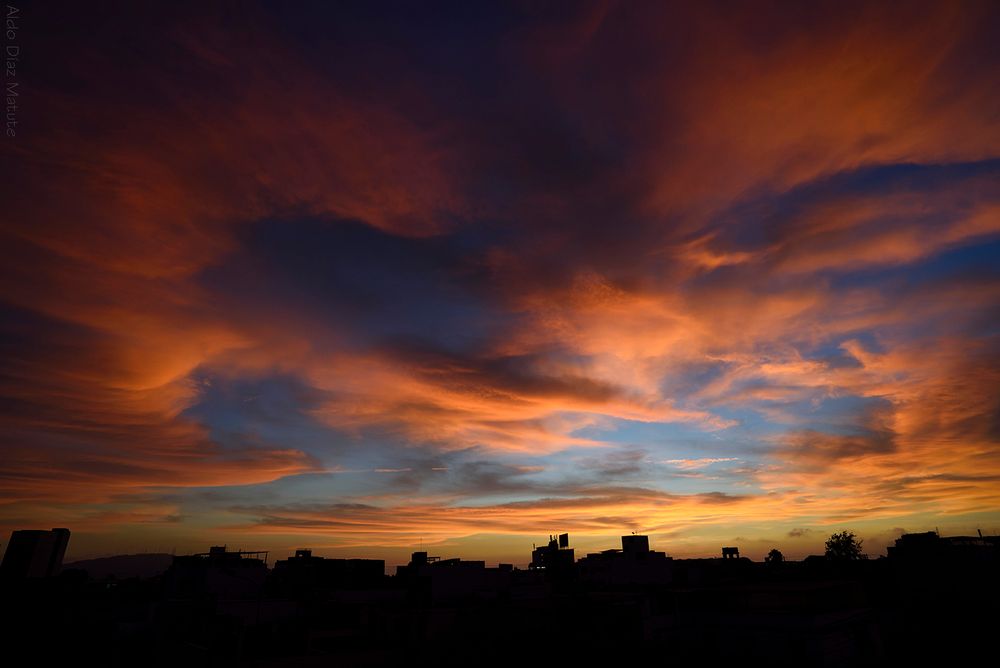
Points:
(617, 464)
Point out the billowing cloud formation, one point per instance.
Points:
(372, 277)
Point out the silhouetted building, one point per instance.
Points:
(635, 544)
(557, 555)
(305, 573)
(438, 578)
(417, 566)
(635, 563)
(730, 553)
(218, 573)
(931, 546)
(34, 553)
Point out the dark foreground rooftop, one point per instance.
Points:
(932, 597)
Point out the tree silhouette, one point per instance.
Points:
(844, 546)
(774, 557)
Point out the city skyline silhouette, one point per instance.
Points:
(230, 607)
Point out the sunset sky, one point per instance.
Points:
(363, 277)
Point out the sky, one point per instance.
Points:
(378, 277)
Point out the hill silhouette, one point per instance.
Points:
(123, 566)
